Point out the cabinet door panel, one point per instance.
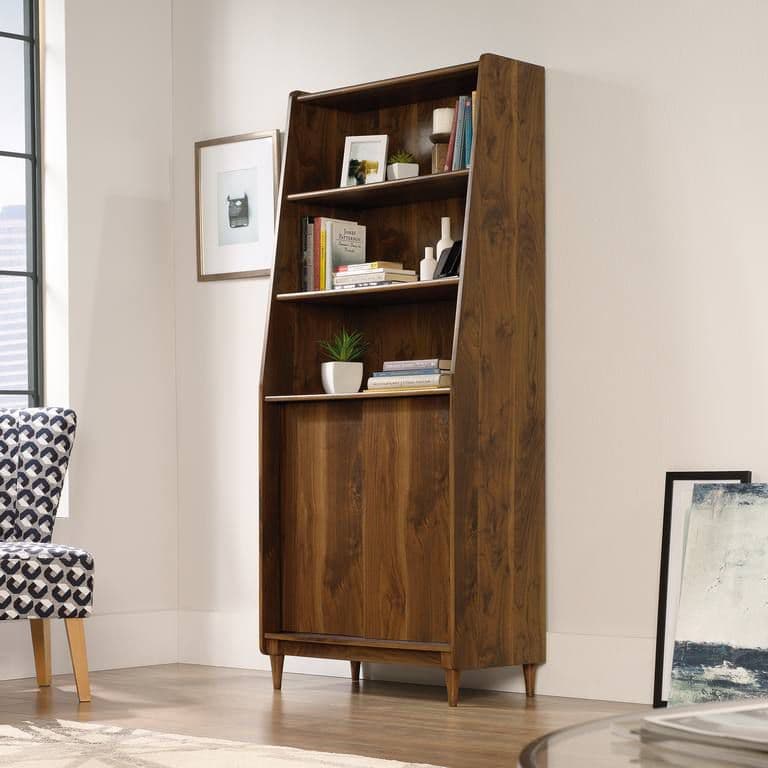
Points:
(406, 535)
(321, 523)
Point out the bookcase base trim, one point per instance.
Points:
(279, 649)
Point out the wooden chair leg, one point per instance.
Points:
(452, 684)
(276, 663)
(41, 647)
(76, 638)
(529, 674)
(355, 671)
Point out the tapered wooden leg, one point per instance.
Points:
(355, 671)
(529, 673)
(452, 684)
(277, 671)
(41, 647)
(76, 638)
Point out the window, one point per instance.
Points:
(20, 256)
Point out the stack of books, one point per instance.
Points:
(460, 143)
(327, 244)
(371, 273)
(401, 375)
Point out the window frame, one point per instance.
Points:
(33, 154)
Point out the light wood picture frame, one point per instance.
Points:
(236, 184)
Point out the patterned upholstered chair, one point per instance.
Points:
(40, 581)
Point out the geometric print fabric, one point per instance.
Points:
(38, 579)
(41, 581)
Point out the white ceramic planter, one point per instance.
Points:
(402, 171)
(341, 378)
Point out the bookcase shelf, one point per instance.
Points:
(437, 186)
(434, 290)
(357, 395)
(408, 527)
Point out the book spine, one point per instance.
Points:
(310, 253)
(458, 149)
(393, 365)
(316, 229)
(474, 116)
(434, 380)
(406, 372)
(452, 140)
(468, 133)
(369, 265)
(304, 280)
(323, 284)
(328, 253)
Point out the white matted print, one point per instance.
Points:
(236, 191)
(365, 160)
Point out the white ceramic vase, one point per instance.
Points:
(397, 171)
(341, 378)
(445, 241)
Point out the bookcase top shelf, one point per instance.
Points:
(435, 186)
(434, 84)
(357, 395)
(435, 290)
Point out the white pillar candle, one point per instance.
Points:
(442, 120)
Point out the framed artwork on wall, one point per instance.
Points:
(236, 181)
(678, 497)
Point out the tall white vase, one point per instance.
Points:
(445, 240)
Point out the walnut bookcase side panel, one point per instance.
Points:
(498, 389)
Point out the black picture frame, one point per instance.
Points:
(741, 476)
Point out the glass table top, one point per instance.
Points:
(619, 742)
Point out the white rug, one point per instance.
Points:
(67, 744)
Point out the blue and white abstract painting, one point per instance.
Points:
(721, 641)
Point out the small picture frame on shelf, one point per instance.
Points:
(235, 199)
(365, 160)
(678, 495)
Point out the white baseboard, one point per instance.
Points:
(580, 666)
(114, 640)
(219, 639)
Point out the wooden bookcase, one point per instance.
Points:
(409, 527)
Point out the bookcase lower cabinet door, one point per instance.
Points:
(408, 526)
(365, 519)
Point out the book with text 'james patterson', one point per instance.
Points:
(344, 245)
(407, 365)
(425, 380)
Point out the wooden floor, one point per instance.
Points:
(389, 720)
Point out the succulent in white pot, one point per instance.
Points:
(343, 373)
(402, 165)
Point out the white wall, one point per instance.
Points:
(121, 345)
(657, 174)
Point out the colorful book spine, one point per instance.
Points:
(468, 132)
(323, 256)
(458, 149)
(452, 140)
(316, 229)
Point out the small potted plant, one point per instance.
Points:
(402, 165)
(343, 373)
